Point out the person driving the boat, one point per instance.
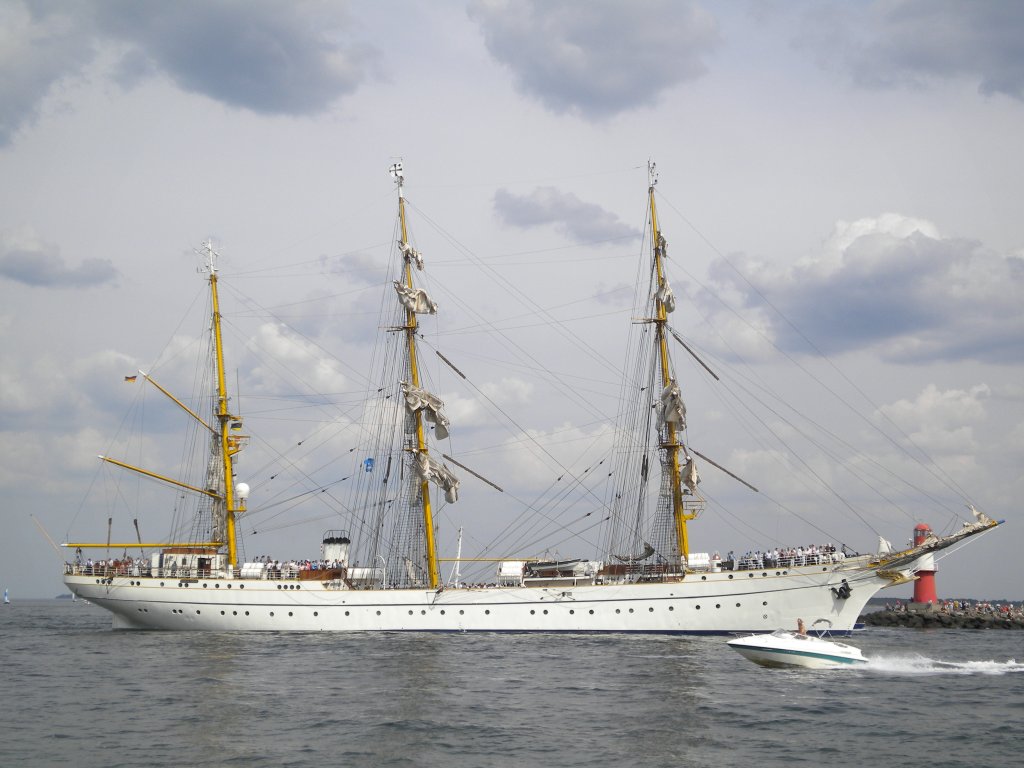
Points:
(800, 628)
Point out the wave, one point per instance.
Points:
(922, 665)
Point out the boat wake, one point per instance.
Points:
(922, 665)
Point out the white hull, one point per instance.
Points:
(725, 602)
(788, 649)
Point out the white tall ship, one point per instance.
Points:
(647, 579)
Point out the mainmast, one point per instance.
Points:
(409, 256)
(229, 444)
(673, 411)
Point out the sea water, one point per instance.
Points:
(75, 693)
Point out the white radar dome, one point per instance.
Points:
(242, 490)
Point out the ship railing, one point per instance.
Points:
(145, 570)
(754, 563)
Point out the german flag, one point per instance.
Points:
(130, 378)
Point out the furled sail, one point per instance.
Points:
(666, 297)
(440, 474)
(648, 551)
(690, 477)
(415, 299)
(417, 399)
(412, 254)
(671, 409)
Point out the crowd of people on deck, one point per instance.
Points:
(289, 569)
(111, 566)
(138, 566)
(813, 554)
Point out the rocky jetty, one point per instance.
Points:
(933, 619)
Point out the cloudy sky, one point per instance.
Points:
(839, 184)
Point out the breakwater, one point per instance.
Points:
(937, 619)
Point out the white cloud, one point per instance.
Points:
(300, 359)
(26, 259)
(892, 283)
(941, 421)
(601, 57)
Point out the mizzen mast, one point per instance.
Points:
(229, 443)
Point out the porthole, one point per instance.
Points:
(703, 578)
(204, 585)
(763, 575)
(234, 613)
(545, 611)
(671, 607)
(222, 613)
(316, 613)
(410, 613)
(197, 611)
(532, 612)
(571, 611)
(442, 611)
(617, 610)
(216, 586)
(718, 605)
(229, 586)
(591, 611)
(461, 612)
(487, 612)
(290, 613)
(346, 613)
(161, 583)
(378, 613)
(271, 613)
(737, 605)
(698, 607)
(730, 575)
(241, 586)
(423, 613)
(278, 586)
(750, 575)
(246, 613)
(298, 586)
(630, 610)
(651, 609)
(765, 603)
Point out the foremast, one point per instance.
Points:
(680, 468)
(409, 255)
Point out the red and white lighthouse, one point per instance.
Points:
(924, 587)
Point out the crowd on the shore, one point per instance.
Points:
(1006, 609)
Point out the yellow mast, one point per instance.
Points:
(229, 445)
(433, 569)
(672, 444)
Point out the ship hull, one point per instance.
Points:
(711, 603)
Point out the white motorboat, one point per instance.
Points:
(783, 648)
